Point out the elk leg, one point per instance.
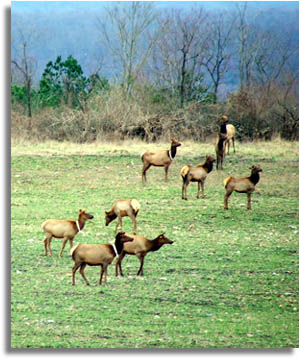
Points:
(119, 264)
(103, 271)
(71, 243)
(145, 168)
(49, 246)
(184, 189)
(101, 274)
(166, 172)
(227, 195)
(202, 189)
(46, 246)
(140, 271)
(81, 271)
(249, 201)
(63, 246)
(133, 218)
(74, 269)
(119, 223)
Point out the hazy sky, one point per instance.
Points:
(31, 6)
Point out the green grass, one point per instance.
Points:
(230, 280)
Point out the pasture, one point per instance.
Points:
(230, 280)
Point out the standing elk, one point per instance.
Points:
(159, 158)
(66, 229)
(196, 173)
(229, 131)
(220, 149)
(97, 255)
(140, 247)
(242, 185)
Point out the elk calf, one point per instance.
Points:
(198, 174)
(140, 247)
(66, 229)
(123, 208)
(97, 255)
(242, 185)
(159, 158)
(220, 149)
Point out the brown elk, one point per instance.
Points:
(123, 208)
(196, 173)
(242, 185)
(140, 247)
(159, 158)
(220, 149)
(97, 255)
(66, 229)
(229, 130)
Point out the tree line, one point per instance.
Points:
(176, 72)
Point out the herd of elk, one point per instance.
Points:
(132, 244)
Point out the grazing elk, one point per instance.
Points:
(159, 158)
(66, 229)
(242, 185)
(123, 208)
(220, 149)
(97, 255)
(196, 173)
(140, 247)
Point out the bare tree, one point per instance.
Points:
(286, 111)
(219, 50)
(24, 64)
(178, 56)
(271, 60)
(127, 36)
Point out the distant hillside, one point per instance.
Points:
(68, 28)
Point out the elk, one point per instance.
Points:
(220, 149)
(97, 255)
(196, 173)
(229, 131)
(242, 185)
(122, 208)
(66, 229)
(140, 247)
(159, 158)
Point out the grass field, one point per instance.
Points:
(230, 280)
